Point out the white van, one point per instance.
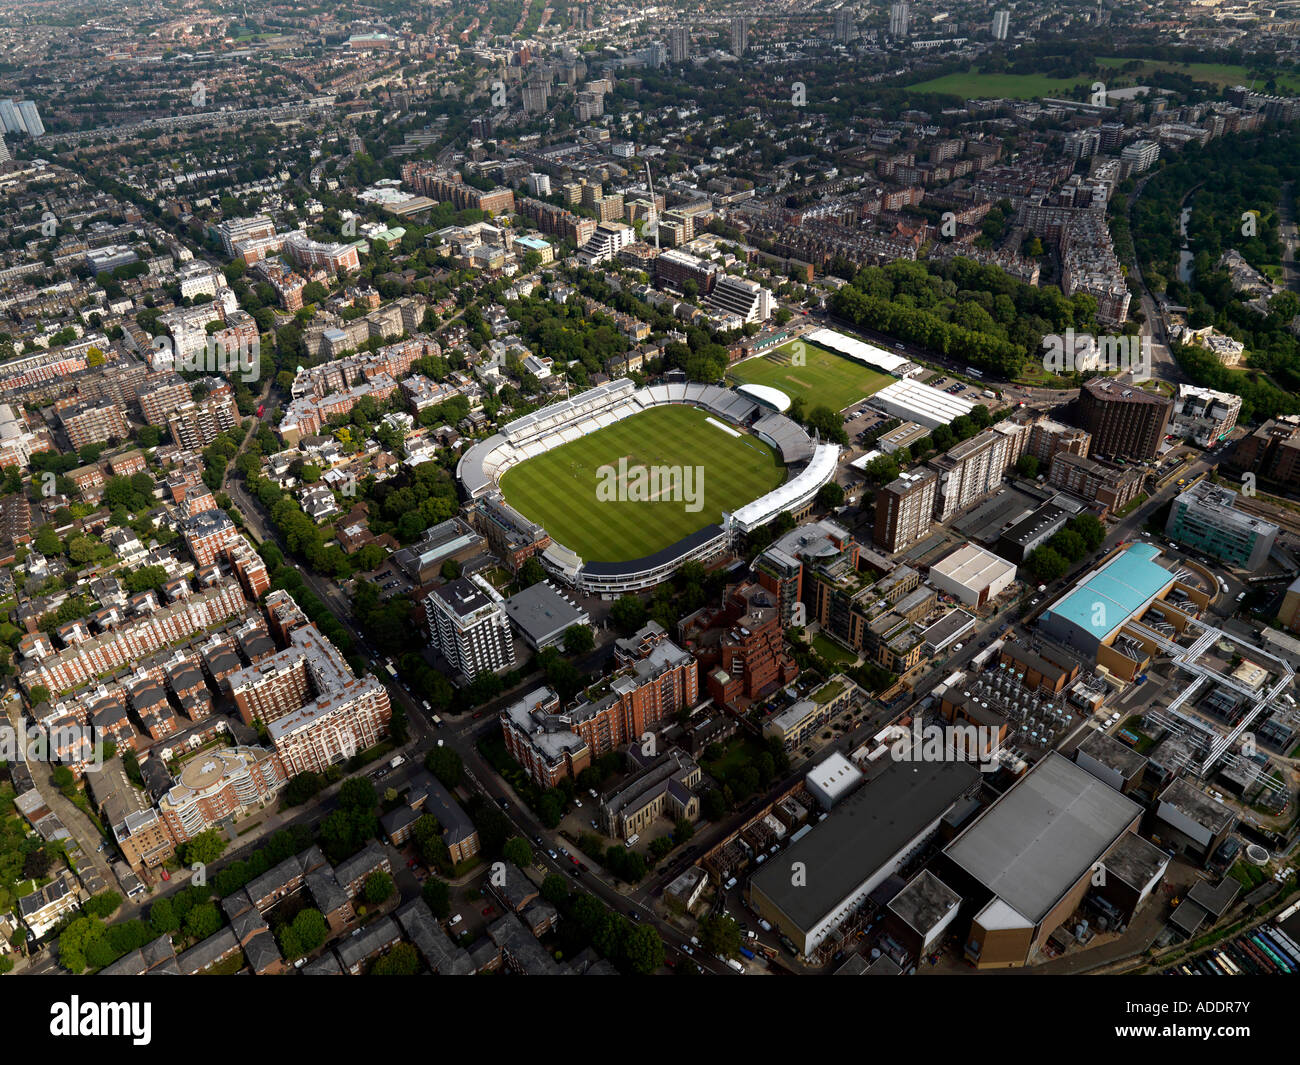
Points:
(631, 840)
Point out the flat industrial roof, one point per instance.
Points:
(1121, 588)
(1107, 750)
(541, 611)
(1033, 844)
(861, 835)
(921, 403)
(973, 567)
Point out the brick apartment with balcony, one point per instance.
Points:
(654, 680)
(740, 647)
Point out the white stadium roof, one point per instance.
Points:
(920, 403)
(795, 492)
(861, 352)
(768, 396)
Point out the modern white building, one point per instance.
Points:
(31, 118)
(830, 780)
(1001, 24)
(470, 628)
(899, 17)
(609, 239)
(1141, 155)
(1204, 415)
(972, 575)
(21, 117)
(748, 300)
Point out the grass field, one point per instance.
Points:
(825, 378)
(558, 489)
(977, 85)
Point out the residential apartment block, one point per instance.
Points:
(654, 680)
(1125, 421)
(469, 628)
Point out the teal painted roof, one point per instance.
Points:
(1113, 594)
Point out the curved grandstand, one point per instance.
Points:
(809, 465)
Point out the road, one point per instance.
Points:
(1289, 236)
(1163, 365)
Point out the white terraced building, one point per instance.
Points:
(470, 627)
(747, 300)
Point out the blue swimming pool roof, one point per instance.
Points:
(1114, 593)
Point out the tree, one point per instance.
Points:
(402, 960)
(550, 808)
(643, 949)
(530, 573)
(720, 935)
(81, 549)
(1027, 466)
(628, 614)
(446, 765)
(1089, 526)
(830, 496)
(290, 945)
(358, 793)
(204, 848)
(517, 850)
(38, 693)
(36, 864)
(47, 541)
(202, 921)
(102, 905)
(578, 639)
(378, 887)
(162, 917)
(554, 889)
(437, 896)
(1046, 564)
